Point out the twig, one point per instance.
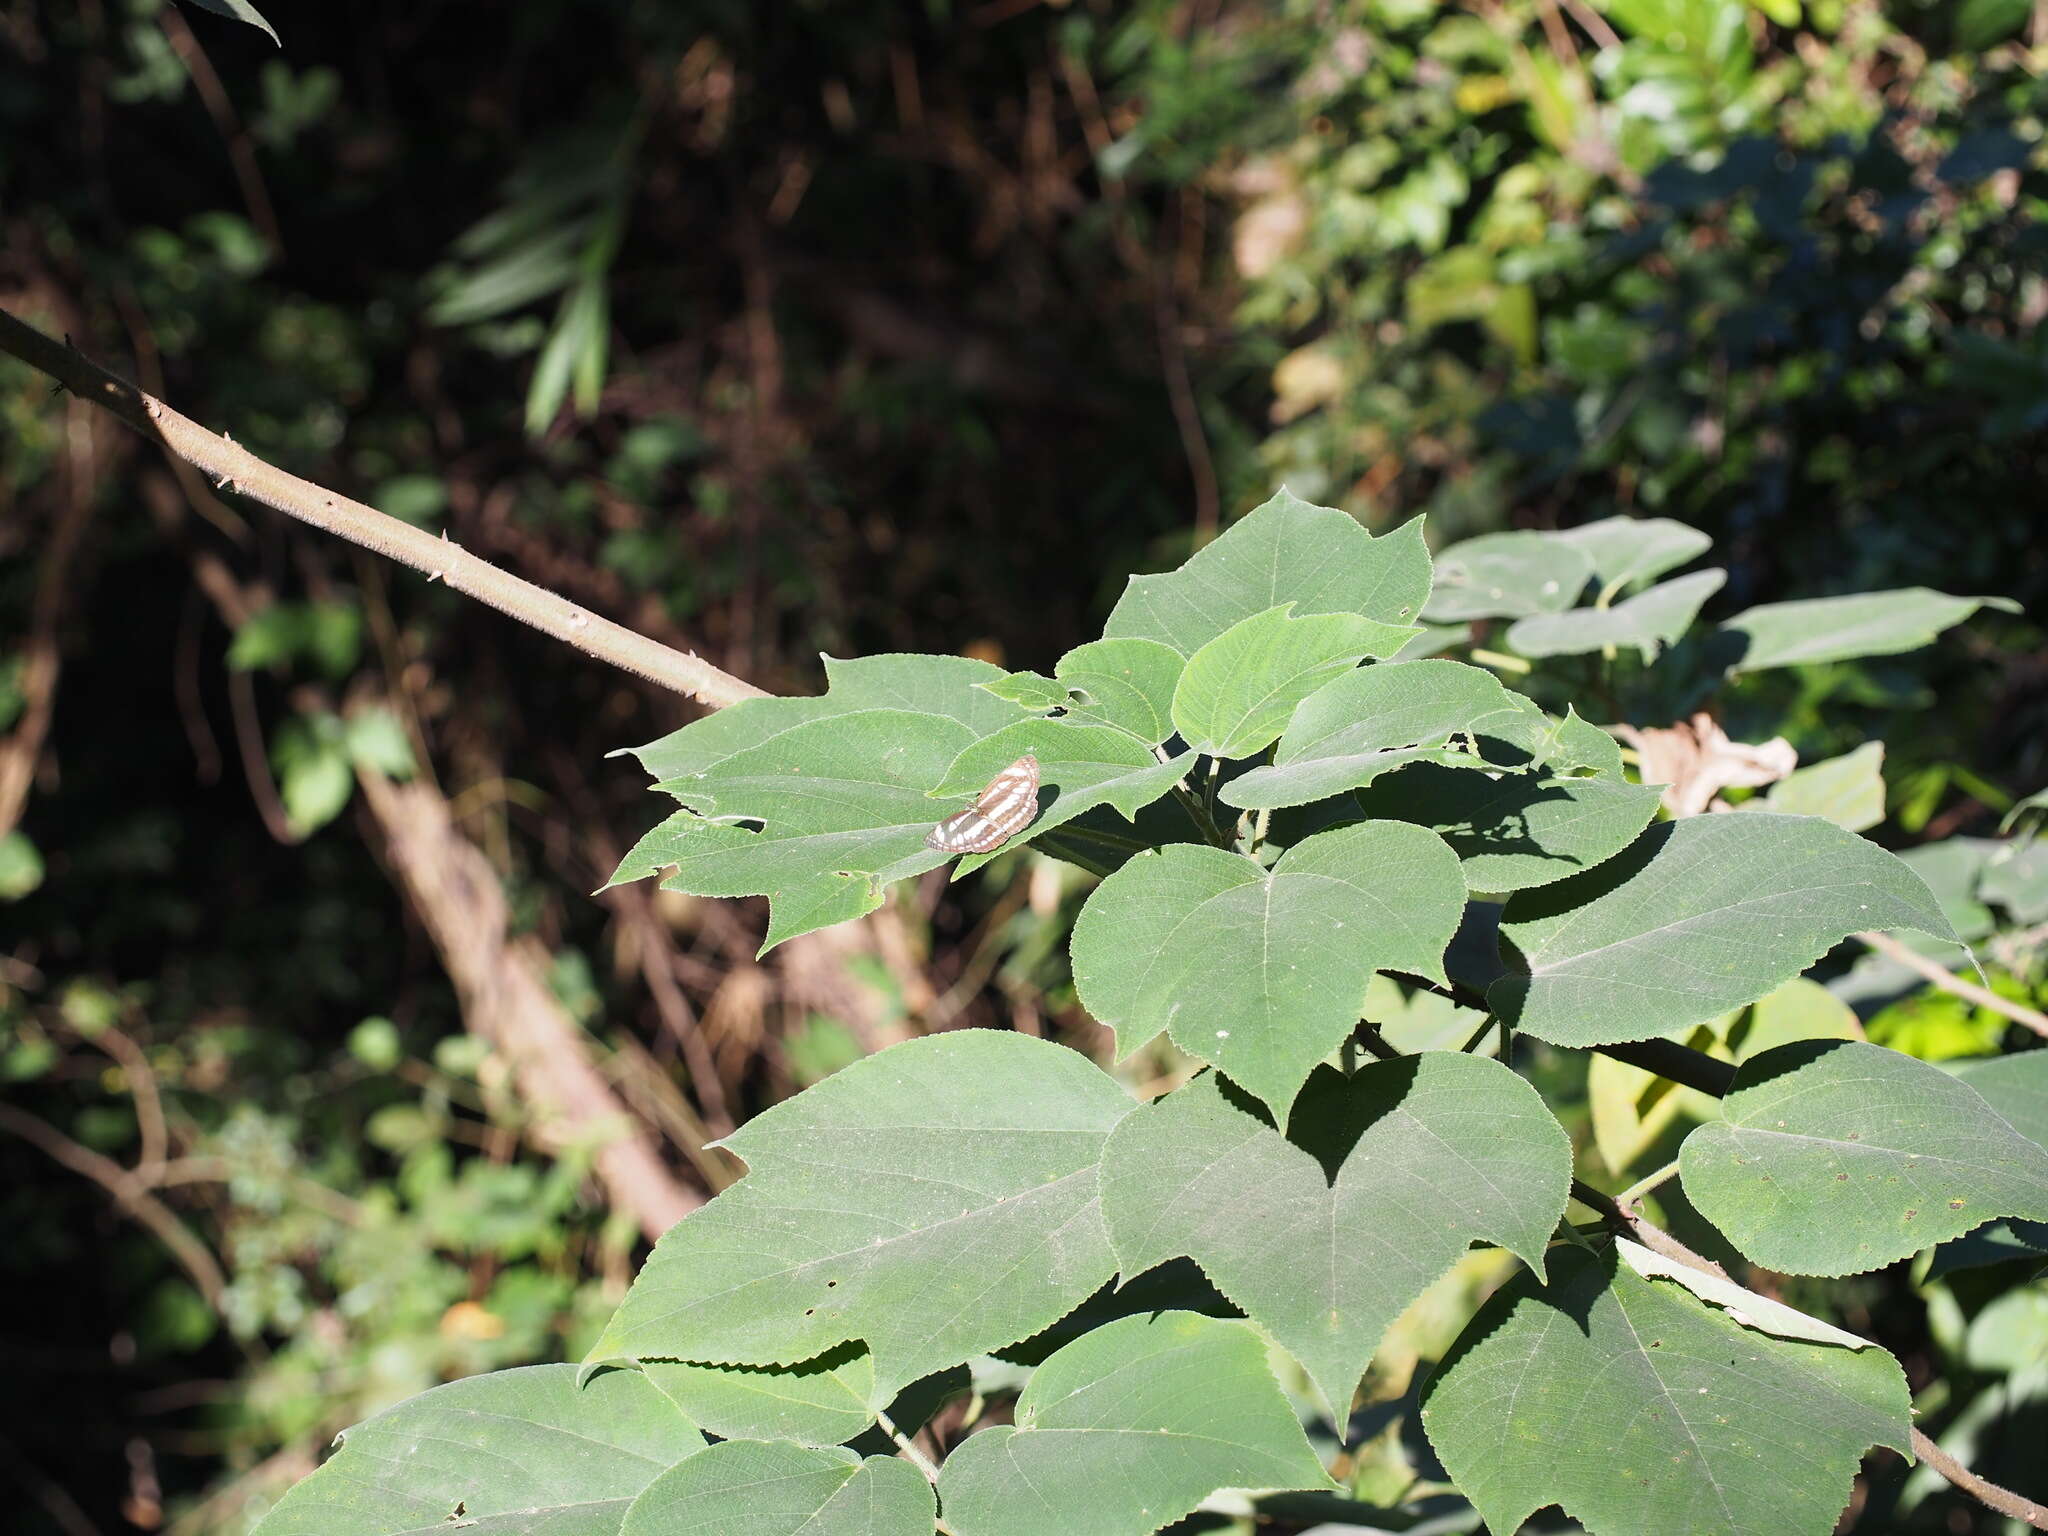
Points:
(1653, 1238)
(142, 1087)
(129, 1193)
(1628, 1197)
(2004, 1500)
(220, 1170)
(441, 560)
(1969, 991)
(911, 1453)
(1680, 1063)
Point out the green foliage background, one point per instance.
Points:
(856, 328)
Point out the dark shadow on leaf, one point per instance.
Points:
(1178, 1285)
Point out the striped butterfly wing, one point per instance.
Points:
(999, 812)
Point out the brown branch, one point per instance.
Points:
(128, 1193)
(1656, 1239)
(1969, 991)
(2004, 1500)
(501, 983)
(440, 559)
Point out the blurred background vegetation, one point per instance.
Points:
(853, 327)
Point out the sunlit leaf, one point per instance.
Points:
(1508, 576)
(1696, 917)
(1843, 628)
(527, 1450)
(1239, 688)
(1264, 972)
(1740, 1304)
(1285, 551)
(1847, 790)
(1127, 1429)
(1648, 622)
(1514, 831)
(774, 1488)
(826, 1401)
(1373, 719)
(1637, 1408)
(1127, 683)
(1834, 1157)
(936, 1200)
(1627, 551)
(239, 10)
(1325, 1235)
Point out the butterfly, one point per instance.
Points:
(999, 812)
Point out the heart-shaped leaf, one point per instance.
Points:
(528, 1450)
(1518, 830)
(1374, 719)
(1126, 683)
(1264, 972)
(1080, 766)
(936, 1200)
(774, 1488)
(1238, 690)
(1696, 917)
(1285, 551)
(1836, 1156)
(1628, 550)
(1506, 576)
(1649, 621)
(1842, 628)
(1324, 1236)
(1127, 1429)
(1639, 1409)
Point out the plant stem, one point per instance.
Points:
(1628, 1197)
(234, 467)
(1680, 1063)
(911, 1453)
(1942, 977)
(1478, 1034)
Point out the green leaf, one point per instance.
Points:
(1626, 551)
(239, 10)
(1572, 744)
(936, 1200)
(1639, 1409)
(1372, 719)
(21, 865)
(527, 1451)
(1514, 831)
(1264, 972)
(1649, 621)
(826, 1401)
(2016, 877)
(838, 785)
(1847, 790)
(1127, 1429)
(376, 740)
(1082, 765)
(1696, 917)
(1325, 1235)
(1507, 576)
(930, 685)
(1126, 683)
(1029, 690)
(2017, 1087)
(315, 783)
(773, 1488)
(1843, 628)
(1835, 1156)
(1238, 690)
(1285, 551)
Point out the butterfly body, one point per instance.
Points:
(999, 812)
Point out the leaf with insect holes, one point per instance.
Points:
(774, 1488)
(1506, 576)
(1285, 551)
(1696, 917)
(1080, 766)
(1820, 629)
(817, 803)
(1264, 972)
(1238, 690)
(1127, 1429)
(1838, 1156)
(1649, 621)
(1638, 1408)
(1126, 683)
(523, 1449)
(1370, 720)
(936, 1200)
(1324, 1235)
